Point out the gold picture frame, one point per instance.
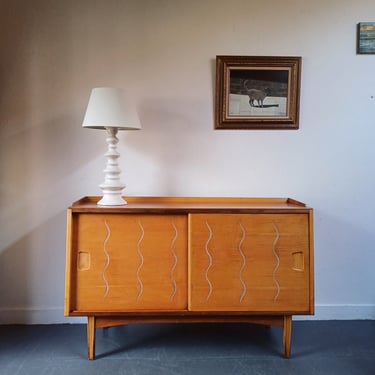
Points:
(257, 92)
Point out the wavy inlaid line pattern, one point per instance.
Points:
(277, 261)
(209, 262)
(171, 274)
(244, 288)
(108, 260)
(141, 260)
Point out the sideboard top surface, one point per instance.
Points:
(185, 205)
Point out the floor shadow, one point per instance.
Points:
(228, 339)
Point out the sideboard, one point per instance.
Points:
(185, 259)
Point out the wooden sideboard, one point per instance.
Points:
(174, 259)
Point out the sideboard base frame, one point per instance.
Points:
(94, 322)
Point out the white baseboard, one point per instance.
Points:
(56, 315)
(340, 312)
(48, 315)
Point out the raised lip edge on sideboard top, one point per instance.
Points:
(177, 204)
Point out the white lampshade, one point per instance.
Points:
(110, 107)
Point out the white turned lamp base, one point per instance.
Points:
(112, 200)
(112, 187)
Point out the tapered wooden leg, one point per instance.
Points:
(91, 330)
(287, 335)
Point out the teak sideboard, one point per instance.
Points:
(174, 259)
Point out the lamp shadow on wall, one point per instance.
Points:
(43, 153)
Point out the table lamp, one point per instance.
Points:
(110, 109)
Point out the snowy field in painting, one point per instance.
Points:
(272, 106)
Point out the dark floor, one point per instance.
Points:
(318, 347)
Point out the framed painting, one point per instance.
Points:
(366, 38)
(257, 92)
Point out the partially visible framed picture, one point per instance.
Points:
(366, 38)
(257, 92)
